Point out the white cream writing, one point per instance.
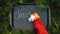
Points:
(18, 14)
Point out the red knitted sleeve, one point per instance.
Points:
(40, 28)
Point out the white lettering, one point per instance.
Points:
(18, 15)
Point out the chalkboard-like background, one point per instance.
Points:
(21, 14)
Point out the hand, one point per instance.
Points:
(34, 16)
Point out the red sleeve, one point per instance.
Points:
(40, 28)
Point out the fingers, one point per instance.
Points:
(33, 17)
(36, 15)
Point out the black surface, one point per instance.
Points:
(24, 11)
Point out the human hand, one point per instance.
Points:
(33, 17)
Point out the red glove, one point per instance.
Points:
(40, 28)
